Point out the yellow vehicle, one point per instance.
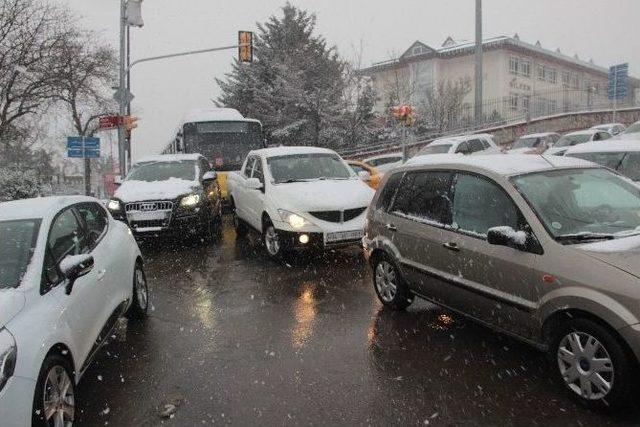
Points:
(222, 135)
(374, 175)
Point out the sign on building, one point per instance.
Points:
(618, 79)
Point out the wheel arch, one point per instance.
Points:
(64, 351)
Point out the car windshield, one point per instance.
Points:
(384, 160)
(307, 167)
(163, 171)
(581, 204)
(526, 143)
(569, 140)
(634, 128)
(610, 160)
(17, 243)
(435, 149)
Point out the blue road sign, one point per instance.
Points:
(80, 147)
(618, 77)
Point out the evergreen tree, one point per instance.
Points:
(294, 87)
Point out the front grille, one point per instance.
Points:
(156, 205)
(329, 216)
(350, 214)
(338, 216)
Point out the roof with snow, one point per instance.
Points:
(452, 47)
(500, 164)
(38, 207)
(608, 146)
(583, 132)
(215, 114)
(287, 151)
(538, 135)
(383, 156)
(169, 158)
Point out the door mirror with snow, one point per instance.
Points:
(117, 181)
(507, 236)
(209, 176)
(364, 175)
(254, 184)
(74, 267)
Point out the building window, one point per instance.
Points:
(540, 72)
(566, 78)
(417, 50)
(553, 105)
(551, 74)
(525, 68)
(525, 102)
(513, 101)
(513, 65)
(574, 81)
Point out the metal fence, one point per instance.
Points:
(496, 112)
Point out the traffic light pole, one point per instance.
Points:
(122, 158)
(128, 134)
(175, 55)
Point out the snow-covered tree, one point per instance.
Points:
(18, 183)
(295, 86)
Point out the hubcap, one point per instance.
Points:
(271, 240)
(141, 289)
(585, 365)
(59, 403)
(386, 281)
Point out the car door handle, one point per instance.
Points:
(391, 227)
(101, 274)
(452, 246)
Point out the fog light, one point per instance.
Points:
(304, 239)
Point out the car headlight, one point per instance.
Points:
(190, 200)
(113, 205)
(294, 220)
(8, 356)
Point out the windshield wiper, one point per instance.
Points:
(287, 181)
(582, 237)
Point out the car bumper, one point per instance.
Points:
(319, 236)
(16, 402)
(631, 334)
(181, 225)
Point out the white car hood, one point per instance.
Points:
(525, 150)
(135, 191)
(11, 303)
(322, 195)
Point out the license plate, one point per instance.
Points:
(147, 216)
(343, 235)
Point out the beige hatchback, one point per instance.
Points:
(544, 248)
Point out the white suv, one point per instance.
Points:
(467, 144)
(68, 271)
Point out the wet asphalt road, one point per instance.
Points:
(236, 338)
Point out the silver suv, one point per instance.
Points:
(543, 248)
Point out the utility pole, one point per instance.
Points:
(478, 65)
(122, 158)
(128, 134)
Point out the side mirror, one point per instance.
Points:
(209, 176)
(254, 184)
(117, 181)
(364, 175)
(74, 267)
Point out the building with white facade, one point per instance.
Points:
(519, 78)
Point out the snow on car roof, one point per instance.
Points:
(537, 135)
(285, 151)
(606, 125)
(608, 146)
(501, 164)
(169, 158)
(215, 114)
(459, 138)
(583, 132)
(38, 207)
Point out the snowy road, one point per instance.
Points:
(235, 338)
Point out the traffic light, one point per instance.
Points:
(130, 122)
(245, 46)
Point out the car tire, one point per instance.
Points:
(239, 224)
(55, 378)
(390, 286)
(140, 297)
(611, 382)
(271, 240)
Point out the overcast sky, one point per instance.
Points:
(606, 30)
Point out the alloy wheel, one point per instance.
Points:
(59, 402)
(585, 365)
(141, 289)
(386, 281)
(271, 240)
